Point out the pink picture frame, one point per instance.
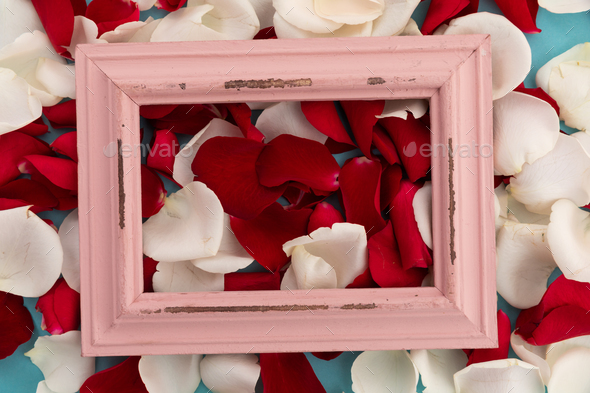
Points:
(112, 81)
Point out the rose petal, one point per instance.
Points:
(183, 276)
(59, 171)
(308, 271)
(363, 280)
(566, 87)
(124, 32)
(13, 147)
(67, 199)
(230, 257)
(499, 376)
(563, 173)
(390, 184)
(511, 53)
(522, 13)
(108, 14)
(36, 128)
(16, 324)
(324, 117)
(489, 354)
(437, 367)
(255, 281)
(287, 118)
(123, 377)
(385, 262)
(531, 354)
(291, 158)
(164, 148)
(57, 18)
(264, 10)
(170, 373)
(359, 184)
(298, 14)
(153, 193)
(362, 117)
(394, 370)
(69, 237)
(66, 144)
(62, 115)
(188, 226)
(19, 105)
(384, 144)
(241, 115)
(288, 373)
(32, 253)
(422, 205)
(60, 307)
(569, 373)
(412, 140)
(15, 18)
(395, 17)
(324, 215)
(263, 236)
(352, 12)
(400, 108)
(440, 11)
(580, 52)
(343, 247)
(59, 359)
(228, 167)
(85, 32)
(413, 250)
(25, 192)
(230, 373)
(144, 34)
(57, 78)
(170, 5)
(565, 7)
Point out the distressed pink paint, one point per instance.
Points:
(119, 319)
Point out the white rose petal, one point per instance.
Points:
(124, 32)
(308, 271)
(287, 118)
(145, 5)
(170, 373)
(580, 52)
(352, 12)
(570, 372)
(569, 86)
(531, 354)
(69, 236)
(565, 6)
(395, 18)
(60, 360)
(400, 108)
(17, 17)
(285, 29)
(437, 367)
(57, 78)
(144, 34)
(85, 32)
(230, 373)
(380, 371)
(183, 276)
(300, 13)
(499, 376)
(30, 253)
(422, 204)
(18, 105)
(42, 388)
(264, 10)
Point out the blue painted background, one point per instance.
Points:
(559, 33)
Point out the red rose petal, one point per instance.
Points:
(523, 13)
(326, 355)
(184, 119)
(267, 33)
(57, 18)
(539, 93)
(324, 215)
(35, 128)
(163, 152)
(324, 117)
(439, 11)
(363, 280)
(338, 147)
(16, 324)
(263, 237)
(228, 167)
(413, 251)
(170, 5)
(384, 144)
(124, 377)
(79, 7)
(385, 262)
(255, 281)
(361, 117)
(288, 373)
(13, 147)
(62, 115)
(149, 269)
(153, 193)
(156, 111)
(60, 307)
(67, 199)
(486, 355)
(24, 192)
(108, 14)
(59, 171)
(66, 144)
(242, 115)
(561, 314)
(359, 184)
(390, 183)
(410, 137)
(300, 199)
(291, 158)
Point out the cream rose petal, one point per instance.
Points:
(57, 78)
(287, 118)
(18, 105)
(556, 350)
(437, 367)
(69, 237)
(376, 371)
(182, 171)
(580, 52)
(170, 373)
(285, 29)
(124, 32)
(519, 213)
(183, 276)
(189, 226)
(395, 17)
(209, 20)
(523, 263)
(531, 354)
(411, 29)
(265, 11)
(145, 5)
(344, 247)
(511, 53)
(525, 129)
(499, 376)
(300, 13)
(400, 108)
(569, 85)
(59, 358)
(30, 253)
(42, 388)
(308, 271)
(570, 372)
(565, 6)
(568, 235)
(352, 12)
(144, 34)
(230, 257)
(422, 204)
(85, 32)
(563, 173)
(230, 373)
(17, 17)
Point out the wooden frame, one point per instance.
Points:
(113, 80)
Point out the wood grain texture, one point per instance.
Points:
(454, 72)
